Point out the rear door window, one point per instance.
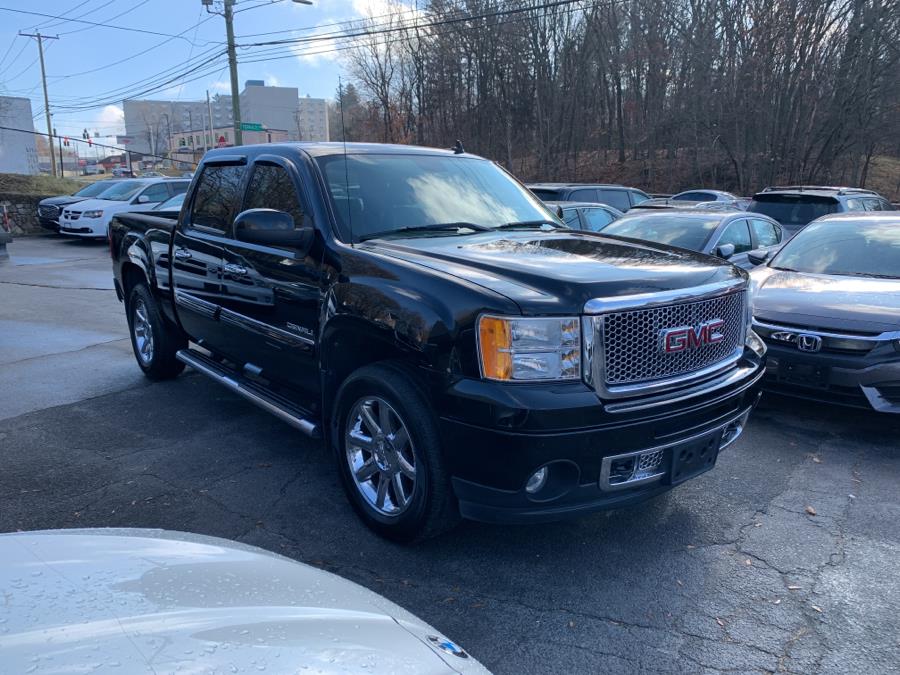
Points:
(638, 197)
(596, 219)
(582, 195)
(570, 218)
(695, 197)
(217, 195)
(616, 198)
(856, 205)
(156, 193)
(737, 233)
(764, 232)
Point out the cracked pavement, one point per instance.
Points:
(729, 572)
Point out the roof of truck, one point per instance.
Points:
(323, 149)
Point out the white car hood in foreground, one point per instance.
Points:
(152, 601)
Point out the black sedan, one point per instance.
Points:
(742, 239)
(828, 306)
(585, 215)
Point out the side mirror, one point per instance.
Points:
(269, 227)
(559, 211)
(143, 199)
(725, 251)
(758, 257)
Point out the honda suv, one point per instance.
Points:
(795, 206)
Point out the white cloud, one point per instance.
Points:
(112, 120)
(271, 80)
(220, 85)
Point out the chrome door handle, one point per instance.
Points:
(182, 254)
(238, 270)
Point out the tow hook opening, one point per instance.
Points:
(733, 431)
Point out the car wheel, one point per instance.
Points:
(389, 455)
(154, 339)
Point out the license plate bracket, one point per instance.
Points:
(803, 374)
(694, 457)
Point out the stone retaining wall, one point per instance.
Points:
(22, 212)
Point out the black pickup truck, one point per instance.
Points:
(459, 349)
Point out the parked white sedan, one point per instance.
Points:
(79, 601)
(91, 218)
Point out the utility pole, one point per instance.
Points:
(212, 129)
(232, 66)
(40, 40)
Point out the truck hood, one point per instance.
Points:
(62, 200)
(558, 272)
(105, 205)
(157, 601)
(834, 303)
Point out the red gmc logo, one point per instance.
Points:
(691, 337)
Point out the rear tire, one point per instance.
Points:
(154, 339)
(389, 455)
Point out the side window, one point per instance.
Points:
(855, 205)
(156, 193)
(637, 197)
(570, 218)
(616, 198)
(887, 206)
(872, 204)
(218, 192)
(271, 188)
(738, 234)
(695, 197)
(764, 232)
(179, 188)
(583, 195)
(596, 219)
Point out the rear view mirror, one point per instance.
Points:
(269, 227)
(758, 257)
(725, 250)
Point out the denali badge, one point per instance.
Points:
(691, 337)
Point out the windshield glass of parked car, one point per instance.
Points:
(375, 193)
(123, 191)
(844, 247)
(793, 209)
(95, 189)
(686, 230)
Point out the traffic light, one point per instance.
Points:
(66, 141)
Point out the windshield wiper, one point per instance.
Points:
(530, 224)
(434, 227)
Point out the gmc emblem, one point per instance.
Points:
(691, 337)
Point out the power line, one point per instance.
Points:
(108, 19)
(97, 24)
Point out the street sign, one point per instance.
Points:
(251, 126)
(221, 142)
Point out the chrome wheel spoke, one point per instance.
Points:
(400, 439)
(358, 439)
(384, 419)
(406, 468)
(366, 471)
(399, 490)
(369, 419)
(382, 491)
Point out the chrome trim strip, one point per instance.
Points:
(248, 323)
(192, 302)
(887, 336)
(195, 361)
(701, 388)
(605, 467)
(673, 297)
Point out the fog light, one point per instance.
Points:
(537, 481)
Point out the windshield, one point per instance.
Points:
(124, 190)
(172, 202)
(684, 230)
(95, 189)
(546, 195)
(855, 248)
(383, 193)
(793, 209)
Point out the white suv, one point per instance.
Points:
(91, 218)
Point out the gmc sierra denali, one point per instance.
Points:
(461, 351)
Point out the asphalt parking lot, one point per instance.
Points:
(782, 559)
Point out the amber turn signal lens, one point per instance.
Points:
(495, 341)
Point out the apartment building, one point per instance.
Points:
(18, 151)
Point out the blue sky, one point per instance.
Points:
(90, 67)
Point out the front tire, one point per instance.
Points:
(389, 455)
(154, 339)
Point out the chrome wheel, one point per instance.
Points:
(380, 455)
(143, 332)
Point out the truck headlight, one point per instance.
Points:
(529, 349)
(92, 214)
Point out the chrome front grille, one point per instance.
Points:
(629, 344)
(72, 215)
(49, 212)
